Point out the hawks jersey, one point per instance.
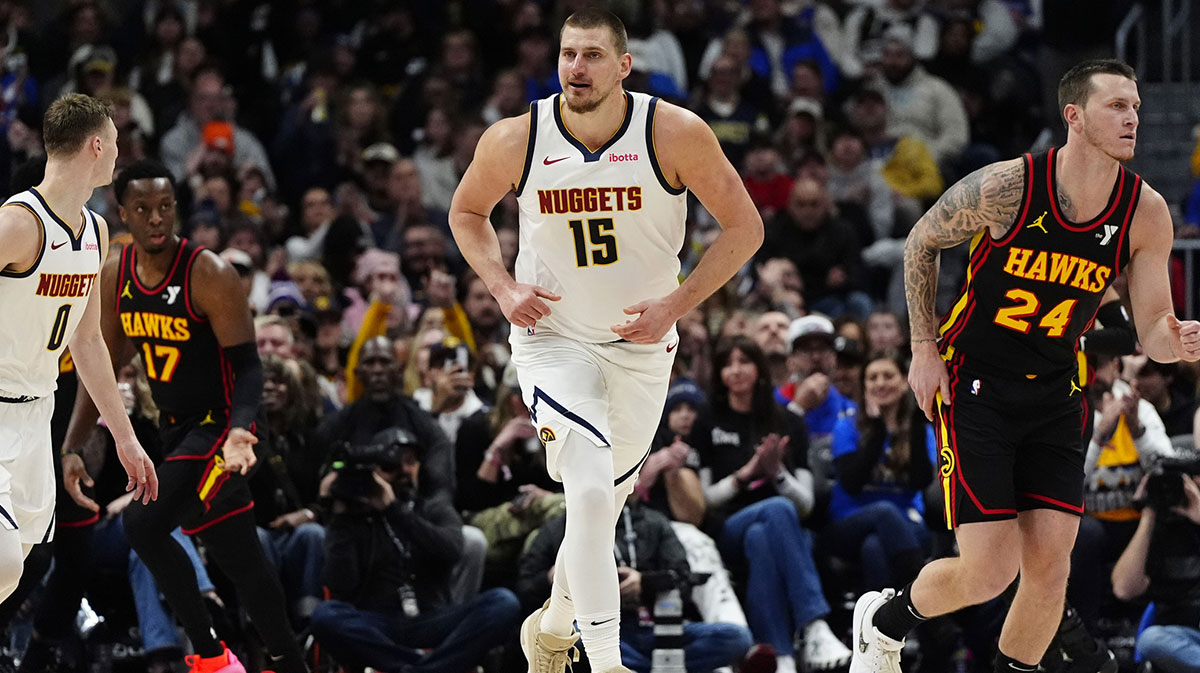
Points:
(184, 362)
(45, 302)
(600, 228)
(1029, 296)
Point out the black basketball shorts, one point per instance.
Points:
(1007, 445)
(194, 462)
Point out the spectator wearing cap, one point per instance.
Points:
(503, 487)
(883, 459)
(866, 25)
(668, 481)
(242, 263)
(920, 104)
(810, 392)
(93, 71)
(752, 457)
(801, 133)
(376, 164)
(824, 246)
(208, 101)
(285, 489)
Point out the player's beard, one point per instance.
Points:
(589, 106)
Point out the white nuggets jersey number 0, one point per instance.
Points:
(44, 303)
(601, 228)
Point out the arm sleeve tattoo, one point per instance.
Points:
(984, 201)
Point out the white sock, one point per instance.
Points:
(785, 664)
(559, 618)
(602, 639)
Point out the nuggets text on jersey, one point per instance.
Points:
(589, 200)
(65, 284)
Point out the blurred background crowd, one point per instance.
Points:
(316, 145)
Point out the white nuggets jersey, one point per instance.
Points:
(601, 228)
(44, 303)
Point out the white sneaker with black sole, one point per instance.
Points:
(873, 651)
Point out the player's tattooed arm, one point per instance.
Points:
(986, 200)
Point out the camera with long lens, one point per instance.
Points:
(1164, 487)
(664, 590)
(356, 464)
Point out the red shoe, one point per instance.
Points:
(227, 662)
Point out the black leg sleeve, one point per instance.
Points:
(149, 527)
(233, 544)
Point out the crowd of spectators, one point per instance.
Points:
(317, 145)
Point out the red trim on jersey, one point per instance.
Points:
(187, 282)
(210, 524)
(209, 454)
(79, 524)
(1020, 222)
(1070, 226)
(1052, 501)
(1133, 204)
(226, 377)
(121, 277)
(166, 279)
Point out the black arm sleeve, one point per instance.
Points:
(1116, 337)
(853, 470)
(247, 384)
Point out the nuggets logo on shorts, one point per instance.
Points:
(546, 435)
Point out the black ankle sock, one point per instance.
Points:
(1006, 664)
(897, 617)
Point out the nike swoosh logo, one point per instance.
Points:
(603, 622)
(547, 161)
(56, 246)
(672, 346)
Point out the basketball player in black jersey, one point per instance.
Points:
(999, 376)
(183, 310)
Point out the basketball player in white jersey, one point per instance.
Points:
(51, 250)
(601, 176)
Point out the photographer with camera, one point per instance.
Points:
(1162, 562)
(390, 548)
(650, 560)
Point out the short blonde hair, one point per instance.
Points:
(71, 121)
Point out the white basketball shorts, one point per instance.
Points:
(27, 469)
(612, 393)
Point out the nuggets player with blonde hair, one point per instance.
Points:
(999, 375)
(51, 250)
(601, 176)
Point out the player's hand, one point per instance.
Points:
(654, 319)
(143, 480)
(522, 304)
(927, 377)
(238, 450)
(1185, 338)
(74, 472)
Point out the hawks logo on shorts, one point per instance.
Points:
(546, 435)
